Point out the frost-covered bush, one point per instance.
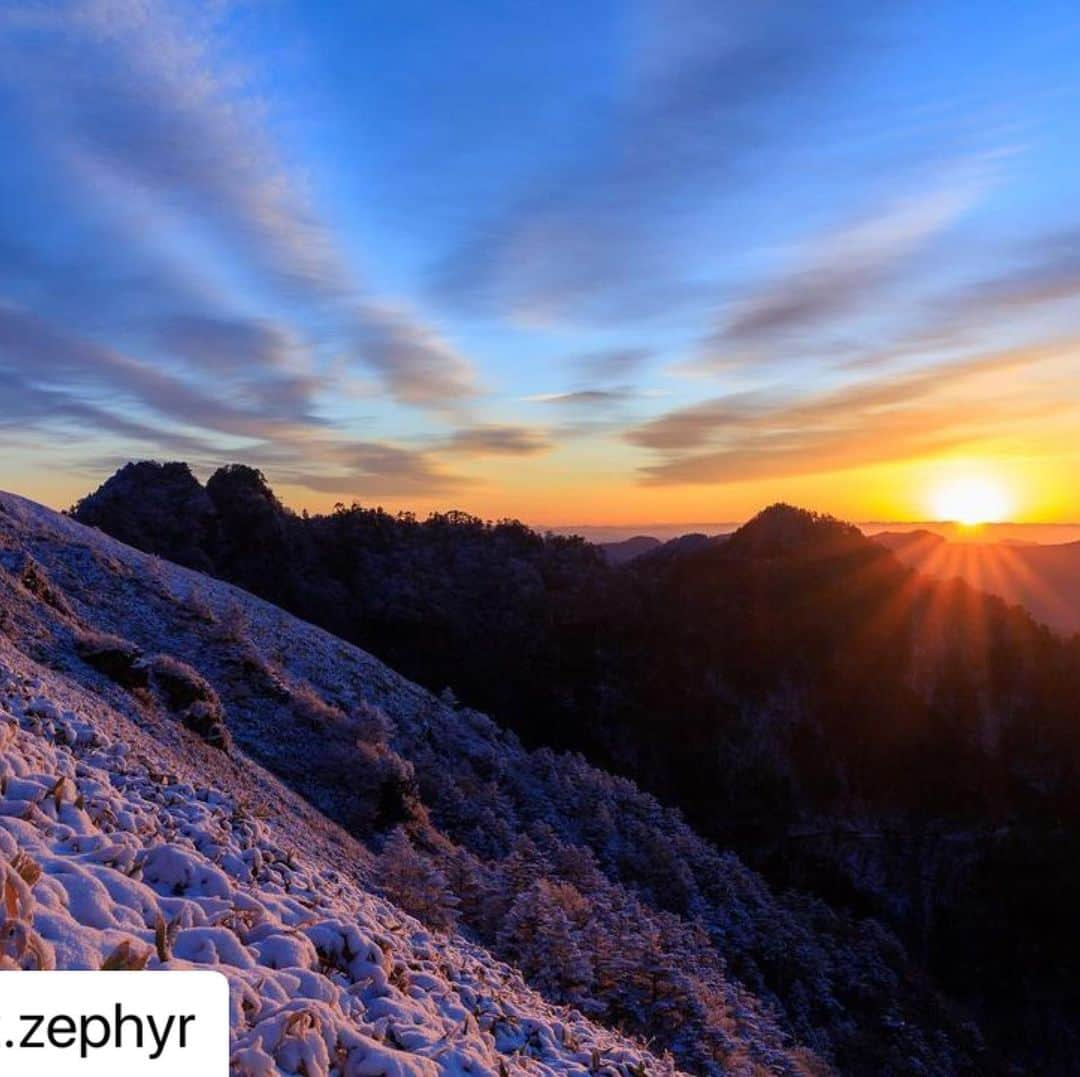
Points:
(363, 720)
(117, 658)
(36, 580)
(371, 723)
(180, 684)
(190, 696)
(197, 605)
(233, 625)
(312, 709)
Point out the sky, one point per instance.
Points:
(583, 262)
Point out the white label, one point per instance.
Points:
(114, 1024)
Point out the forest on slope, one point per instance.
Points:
(897, 745)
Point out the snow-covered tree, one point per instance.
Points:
(540, 937)
(415, 884)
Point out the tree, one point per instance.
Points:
(540, 938)
(416, 885)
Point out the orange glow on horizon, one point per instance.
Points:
(549, 492)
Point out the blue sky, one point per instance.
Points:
(588, 261)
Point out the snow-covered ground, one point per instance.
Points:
(125, 839)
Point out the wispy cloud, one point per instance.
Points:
(47, 357)
(753, 435)
(839, 273)
(60, 383)
(365, 470)
(142, 104)
(497, 440)
(710, 84)
(415, 362)
(1041, 271)
(588, 398)
(611, 364)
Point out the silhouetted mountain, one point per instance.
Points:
(899, 745)
(784, 529)
(644, 546)
(684, 544)
(618, 553)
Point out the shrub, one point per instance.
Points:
(312, 709)
(36, 580)
(189, 695)
(117, 658)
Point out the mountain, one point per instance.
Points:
(622, 553)
(1044, 579)
(129, 838)
(618, 553)
(194, 777)
(900, 747)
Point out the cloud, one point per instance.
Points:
(747, 436)
(693, 426)
(227, 345)
(50, 380)
(142, 101)
(497, 440)
(1039, 273)
(710, 85)
(588, 398)
(418, 365)
(45, 356)
(142, 106)
(257, 363)
(612, 364)
(1046, 270)
(25, 408)
(840, 273)
(371, 469)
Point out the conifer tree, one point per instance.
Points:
(415, 884)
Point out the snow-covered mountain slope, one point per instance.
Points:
(127, 838)
(270, 786)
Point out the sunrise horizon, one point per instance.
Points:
(490, 508)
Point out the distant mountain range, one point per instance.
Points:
(622, 553)
(1044, 579)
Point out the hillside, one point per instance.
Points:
(618, 553)
(606, 901)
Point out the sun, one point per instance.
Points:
(971, 501)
